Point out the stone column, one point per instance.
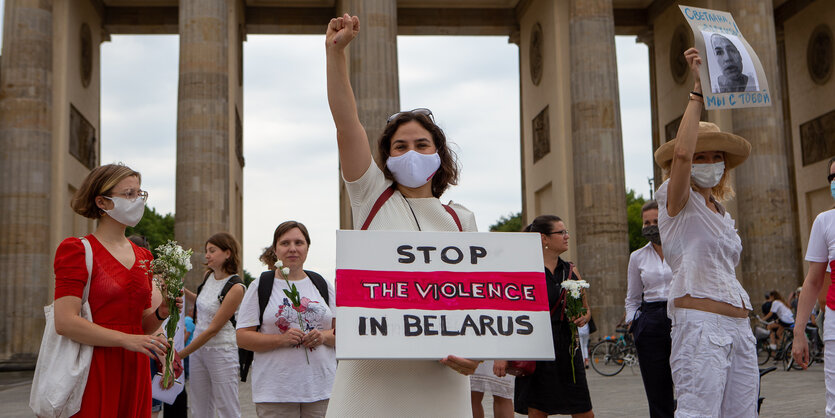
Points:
(372, 63)
(765, 222)
(25, 169)
(599, 188)
(202, 202)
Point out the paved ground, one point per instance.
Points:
(794, 393)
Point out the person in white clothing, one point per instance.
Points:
(417, 167)
(820, 253)
(707, 304)
(485, 380)
(782, 314)
(648, 281)
(213, 368)
(295, 360)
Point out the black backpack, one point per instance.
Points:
(265, 290)
(244, 356)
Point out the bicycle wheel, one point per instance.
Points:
(607, 358)
(763, 353)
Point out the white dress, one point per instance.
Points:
(405, 388)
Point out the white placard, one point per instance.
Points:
(731, 74)
(426, 295)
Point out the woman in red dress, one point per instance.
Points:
(119, 383)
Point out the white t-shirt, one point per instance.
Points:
(283, 375)
(702, 249)
(821, 248)
(782, 311)
(378, 388)
(647, 278)
(207, 307)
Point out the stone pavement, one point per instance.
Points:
(793, 393)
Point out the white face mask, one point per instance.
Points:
(126, 212)
(413, 169)
(707, 175)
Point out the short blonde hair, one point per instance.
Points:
(100, 182)
(722, 192)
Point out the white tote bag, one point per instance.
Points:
(63, 364)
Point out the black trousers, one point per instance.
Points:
(653, 341)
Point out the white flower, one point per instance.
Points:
(278, 264)
(285, 271)
(575, 294)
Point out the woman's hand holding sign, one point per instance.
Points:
(460, 365)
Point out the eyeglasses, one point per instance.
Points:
(132, 195)
(421, 111)
(564, 232)
(830, 177)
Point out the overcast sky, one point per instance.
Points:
(470, 83)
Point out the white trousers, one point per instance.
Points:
(583, 332)
(213, 383)
(714, 365)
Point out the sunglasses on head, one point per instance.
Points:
(421, 111)
(830, 177)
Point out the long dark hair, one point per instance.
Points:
(447, 174)
(542, 224)
(226, 242)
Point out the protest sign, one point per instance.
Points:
(731, 74)
(426, 295)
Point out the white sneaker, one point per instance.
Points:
(772, 347)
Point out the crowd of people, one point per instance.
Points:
(684, 305)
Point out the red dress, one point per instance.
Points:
(119, 384)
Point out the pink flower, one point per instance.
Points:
(303, 307)
(283, 324)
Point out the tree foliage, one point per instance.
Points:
(156, 228)
(634, 221)
(510, 223)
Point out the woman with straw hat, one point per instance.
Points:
(713, 358)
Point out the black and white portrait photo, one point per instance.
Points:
(729, 64)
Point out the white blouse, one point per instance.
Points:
(207, 307)
(648, 276)
(702, 249)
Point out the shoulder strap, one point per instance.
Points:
(235, 279)
(265, 290)
(320, 283)
(197, 295)
(88, 259)
(377, 205)
(454, 217)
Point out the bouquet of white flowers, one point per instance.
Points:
(574, 308)
(169, 267)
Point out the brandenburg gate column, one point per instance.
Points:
(765, 222)
(599, 187)
(204, 138)
(372, 64)
(25, 169)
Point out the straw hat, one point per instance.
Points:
(710, 138)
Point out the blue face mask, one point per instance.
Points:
(832, 189)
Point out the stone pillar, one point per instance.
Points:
(599, 188)
(26, 141)
(372, 64)
(202, 202)
(770, 252)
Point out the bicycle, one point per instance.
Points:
(815, 349)
(612, 354)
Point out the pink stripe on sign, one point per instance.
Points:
(442, 290)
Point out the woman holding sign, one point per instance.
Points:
(555, 387)
(707, 304)
(820, 253)
(418, 167)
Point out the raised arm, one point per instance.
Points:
(678, 190)
(354, 151)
